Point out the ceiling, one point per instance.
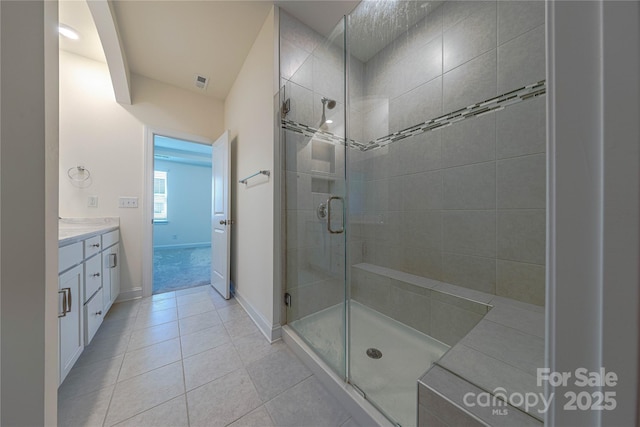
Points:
(176, 150)
(76, 14)
(173, 41)
(375, 24)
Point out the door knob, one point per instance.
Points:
(223, 222)
(227, 222)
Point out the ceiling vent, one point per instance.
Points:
(201, 81)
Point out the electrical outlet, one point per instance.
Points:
(92, 201)
(128, 202)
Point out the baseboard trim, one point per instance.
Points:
(271, 332)
(131, 294)
(184, 246)
(360, 409)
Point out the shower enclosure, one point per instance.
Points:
(414, 164)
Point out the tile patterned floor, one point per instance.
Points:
(190, 358)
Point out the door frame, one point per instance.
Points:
(147, 199)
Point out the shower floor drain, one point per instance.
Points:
(374, 353)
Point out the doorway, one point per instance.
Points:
(181, 214)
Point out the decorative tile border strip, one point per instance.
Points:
(491, 105)
(318, 134)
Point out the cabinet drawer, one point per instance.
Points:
(68, 256)
(92, 276)
(92, 246)
(93, 316)
(110, 238)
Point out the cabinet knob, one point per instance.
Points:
(95, 245)
(99, 313)
(95, 275)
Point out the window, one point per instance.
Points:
(160, 196)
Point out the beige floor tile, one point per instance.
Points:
(158, 305)
(203, 340)
(192, 324)
(144, 392)
(308, 404)
(123, 310)
(254, 346)
(257, 418)
(276, 372)
(231, 313)
(195, 308)
(169, 414)
(153, 318)
(158, 297)
(148, 358)
(193, 298)
(103, 349)
(223, 401)
(85, 410)
(153, 335)
(88, 378)
(210, 365)
(241, 327)
(117, 327)
(193, 290)
(220, 302)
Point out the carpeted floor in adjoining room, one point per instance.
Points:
(175, 269)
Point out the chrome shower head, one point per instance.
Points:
(326, 103)
(330, 103)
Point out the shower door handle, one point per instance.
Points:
(331, 230)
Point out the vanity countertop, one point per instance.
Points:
(71, 230)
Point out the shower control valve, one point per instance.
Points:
(321, 211)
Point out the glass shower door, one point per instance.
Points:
(312, 105)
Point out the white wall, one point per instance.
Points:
(249, 114)
(108, 139)
(28, 199)
(189, 205)
(169, 107)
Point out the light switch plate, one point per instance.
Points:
(92, 201)
(128, 202)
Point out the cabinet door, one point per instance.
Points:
(70, 330)
(111, 275)
(115, 272)
(106, 280)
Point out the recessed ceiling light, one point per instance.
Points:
(68, 32)
(329, 121)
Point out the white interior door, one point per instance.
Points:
(221, 215)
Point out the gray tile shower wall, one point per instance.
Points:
(464, 204)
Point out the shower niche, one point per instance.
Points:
(323, 159)
(418, 128)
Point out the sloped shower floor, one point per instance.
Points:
(389, 382)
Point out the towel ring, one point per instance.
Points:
(79, 173)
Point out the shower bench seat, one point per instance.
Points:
(497, 344)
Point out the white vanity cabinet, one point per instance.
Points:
(88, 284)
